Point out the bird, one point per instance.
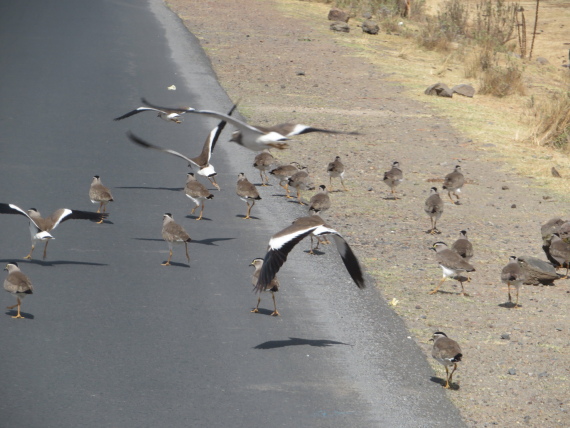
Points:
(273, 287)
(283, 173)
(560, 252)
(564, 232)
(447, 352)
(394, 177)
(301, 181)
(555, 172)
(247, 192)
(453, 183)
(173, 233)
(546, 230)
(197, 192)
(17, 284)
(452, 265)
(100, 194)
(281, 244)
(320, 201)
(202, 161)
(263, 162)
(434, 208)
(40, 228)
(257, 138)
(335, 169)
(463, 247)
(167, 114)
(513, 274)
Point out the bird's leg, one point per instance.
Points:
(256, 310)
(299, 197)
(168, 261)
(45, 248)
(18, 305)
(517, 301)
(187, 256)
(288, 196)
(450, 381)
(193, 209)
(275, 312)
(201, 212)
(330, 183)
(278, 146)
(509, 291)
(463, 293)
(437, 288)
(99, 210)
(266, 181)
(343, 186)
(446, 377)
(450, 198)
(29, 256)
(11, 307)
(213, 181)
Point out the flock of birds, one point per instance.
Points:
(454, 261)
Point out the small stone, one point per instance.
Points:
(513, 205)
(505, 188)
(506, 336)
(512, 372)
(418, 307)
(300, 73)
(341, 27)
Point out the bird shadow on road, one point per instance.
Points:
(315, 252)
(210, 241)
(509, 305)
(55, 263)
(250, 217)
(441, 381)
(177, 264)
(172, 189)
(13, 312)
(295, 341)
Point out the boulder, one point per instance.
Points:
(342, 27)
(338, 15)
(538, 271)
(542, 61)
(439, 89)
(371, 27)
(464, 89)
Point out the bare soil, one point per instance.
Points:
(286, 66)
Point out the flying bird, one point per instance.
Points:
(281, 244)
(170, 115)
(17, 284)
(258, 138)
(202, 161)
(40, 228)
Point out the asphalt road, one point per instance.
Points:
(112, 338)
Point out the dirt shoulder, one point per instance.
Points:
(285, 65)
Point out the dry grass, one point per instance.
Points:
(502, 81)
(552, 121)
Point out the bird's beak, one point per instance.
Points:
(431, 340)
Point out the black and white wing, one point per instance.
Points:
(215, 134)
(147, 145)
(65, 214)
(13, 209)
(139, 110)
(349, 259)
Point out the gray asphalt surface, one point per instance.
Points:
(114, 339)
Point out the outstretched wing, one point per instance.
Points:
(13, 209)
(350, 261)
(147, 145)
(215, 134)
(280, 245)
(65, 214)
(136, 111)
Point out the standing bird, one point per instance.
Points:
(452, 265)
(453, 183)
(434, 208)
(447, 352)
(247, 192)
(513, 274)
(263, 162)
(463, 247)
(560, 252)
(167, 114)
(100, 194)
(173, 233)
(301, 181)
(394, 177)
(17, 284)
(273, 286)
(40, 227)
(197, 192)
(547, 230)
(202, 161)
(281, 244)
(283, 173)
(320, 201)
(335, 169)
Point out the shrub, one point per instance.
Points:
(552, 117)
(502, 81)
